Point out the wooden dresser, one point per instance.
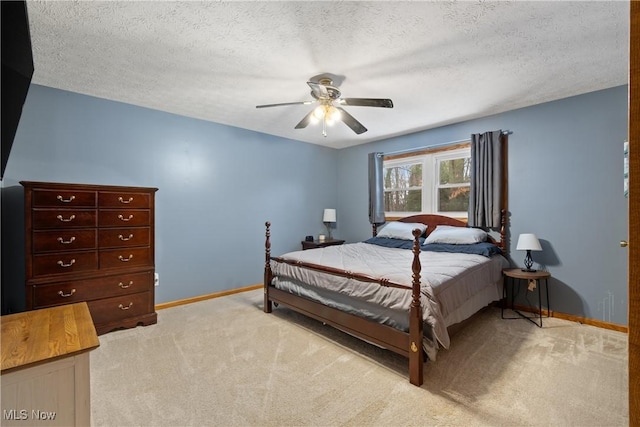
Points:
(91, 243)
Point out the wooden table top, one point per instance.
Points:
(519, 274)
(39, 336)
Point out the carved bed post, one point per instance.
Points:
(416, 355)
(267, 269)
(374, 229)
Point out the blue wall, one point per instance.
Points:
(565, 185)
(218, 184)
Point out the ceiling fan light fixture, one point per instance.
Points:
(333, 114)
(328, 118)
(319, 112)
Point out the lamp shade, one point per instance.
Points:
(528, 241)
(329, 215)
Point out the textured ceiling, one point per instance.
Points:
(440, 62)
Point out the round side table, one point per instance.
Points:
(515, 276)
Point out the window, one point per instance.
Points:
(435, 181)
(403, 187)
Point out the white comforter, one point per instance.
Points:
(447, 279)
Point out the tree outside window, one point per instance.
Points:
(454, 184)
(437, 182)
(403, 188)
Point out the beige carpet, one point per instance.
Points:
(224, 362)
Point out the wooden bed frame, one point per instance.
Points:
(408, 344)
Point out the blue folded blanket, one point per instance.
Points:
(483, 248)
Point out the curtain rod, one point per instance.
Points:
(442, 144)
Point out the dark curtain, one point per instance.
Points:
(376, 188)
(487, 163)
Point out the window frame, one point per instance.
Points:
(430, 159)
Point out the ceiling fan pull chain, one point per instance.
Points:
(324, 125)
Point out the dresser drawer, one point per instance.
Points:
(59, 218)
(118, 308)
(64, 198)
(91, 289)
(64, 262)
(125, 257)
(108, 199)
(124, 237)
(124, 217)
(64, 240)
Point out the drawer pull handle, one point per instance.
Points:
(122, 218)
(123, 286)
(122, 307)
(124, 239)
(121, 200)
(71, 218)
(63, 200)
(66, 242)
(62, 264)
(63, 295)
(123, 259)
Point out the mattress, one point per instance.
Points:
(453, 285)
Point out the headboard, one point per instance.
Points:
(431, 221)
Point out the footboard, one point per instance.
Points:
(407, 344)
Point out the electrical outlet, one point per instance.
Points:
(156, 279)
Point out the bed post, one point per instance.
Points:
(267, 269)
(416, 355)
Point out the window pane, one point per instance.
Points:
(403, 176)
(455, 171)
(403, 201)
(453, 199)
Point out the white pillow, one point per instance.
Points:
(401, 230)
(456, 235)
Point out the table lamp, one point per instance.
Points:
(328, 217)
(528, 242)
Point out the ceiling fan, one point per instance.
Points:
(329, 108)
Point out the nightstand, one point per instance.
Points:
(515, 276)
(316, 244)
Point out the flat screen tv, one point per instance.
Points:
(17, 70)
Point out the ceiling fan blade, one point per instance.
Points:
(305, 121)
(350, 121)
(367, 102)
(319, 90)
(285, 103)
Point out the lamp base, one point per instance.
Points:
(528, 262)
(528, 270)
(328, 225)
